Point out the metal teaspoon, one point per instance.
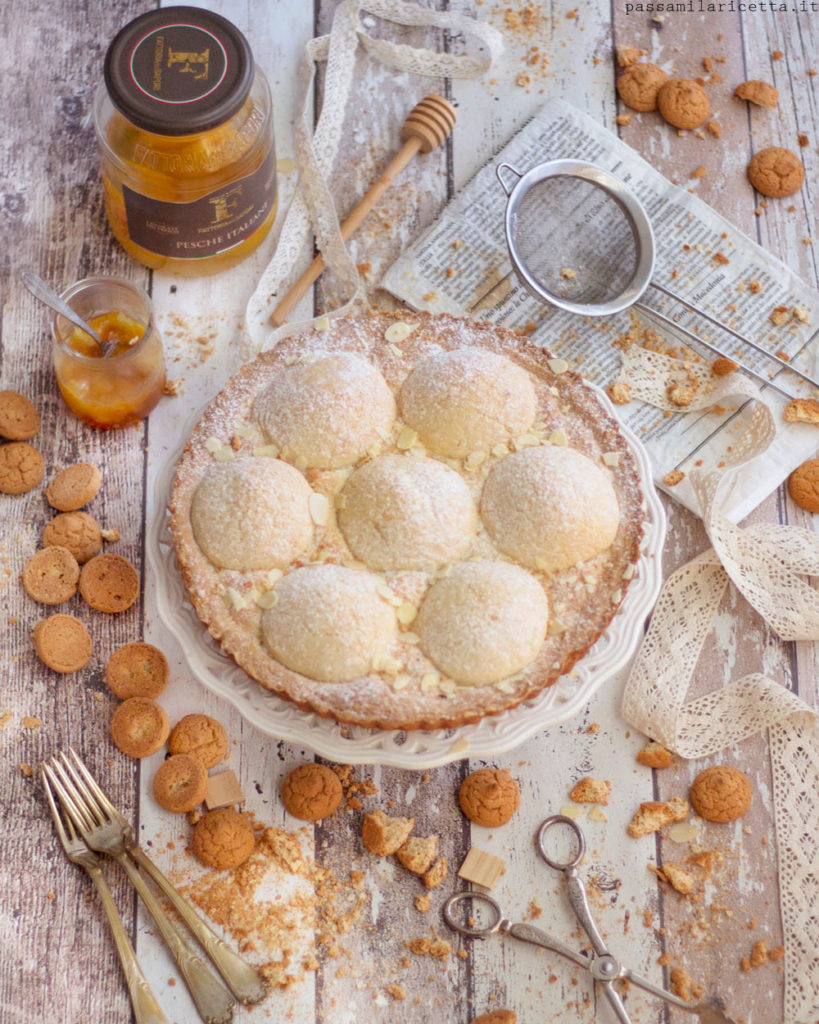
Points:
(46, 294)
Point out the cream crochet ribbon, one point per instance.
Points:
(313, 212)
(770, 566)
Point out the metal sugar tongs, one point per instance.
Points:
(602, 965)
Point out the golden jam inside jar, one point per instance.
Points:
(123, 386)
(185, 131)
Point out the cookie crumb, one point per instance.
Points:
(673, 478)
(591, 791)
(655, 755)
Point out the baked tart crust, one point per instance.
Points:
(405, 689)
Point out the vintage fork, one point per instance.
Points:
(213, 1002)
(243, 980)
(146, 1008)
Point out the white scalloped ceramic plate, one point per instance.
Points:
(418, 748)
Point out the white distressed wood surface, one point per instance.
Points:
(54, 970)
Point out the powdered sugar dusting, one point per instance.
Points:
(407, 513)
(582, 599)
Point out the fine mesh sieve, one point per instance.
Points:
(580, 240)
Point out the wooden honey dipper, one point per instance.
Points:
(429, 124)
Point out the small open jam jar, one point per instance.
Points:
(184, 124)
(123, 386)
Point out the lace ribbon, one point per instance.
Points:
(770, 566)
(313, 212)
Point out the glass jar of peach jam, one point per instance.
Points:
(184, 125)
(123, 386)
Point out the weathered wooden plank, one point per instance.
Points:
(52, 220)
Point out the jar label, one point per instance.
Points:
(207, 226)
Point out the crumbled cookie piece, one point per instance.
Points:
(721, 793)
(803, 485)
(398, 992)
(489, 796)
(672, 478)
(656, 814)
(776, 954)
(311, 791)
(496, 1017)
(683, 985)
(776, 172)
(619, 392)
(416, 854)
(759, 953)
(779, 315)
(591, 791)
(681, 394)
(628, 55)
(723, 366)
(678, 878)
(715, 129)
(802, 410)
(436, 874)
(761, 94)
(655, 755)
(422, 903)
(383, 835)
(639, 84)
(683, 103)
(623, 120)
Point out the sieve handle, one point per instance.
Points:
(508, 189)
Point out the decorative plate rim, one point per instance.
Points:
(419, 748)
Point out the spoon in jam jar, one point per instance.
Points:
(46, 294)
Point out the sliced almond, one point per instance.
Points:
(557, 365)
(398, 332)
(322, 324)
(238, 601)
(406, 613)
(406, 438)
(213, 444)
(500, 450)
(223, 454)
(401, 682)
(611, 458)
(410, 638)
(558, 437)
(267, 599)
(269, 451)
(300, 463)
(319, 507)
(429, 681)
(475, 459)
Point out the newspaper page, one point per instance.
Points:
(461, 265)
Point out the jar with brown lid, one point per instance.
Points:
(184, 125)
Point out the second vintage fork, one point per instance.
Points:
(146, 1008)
(213, 1002)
